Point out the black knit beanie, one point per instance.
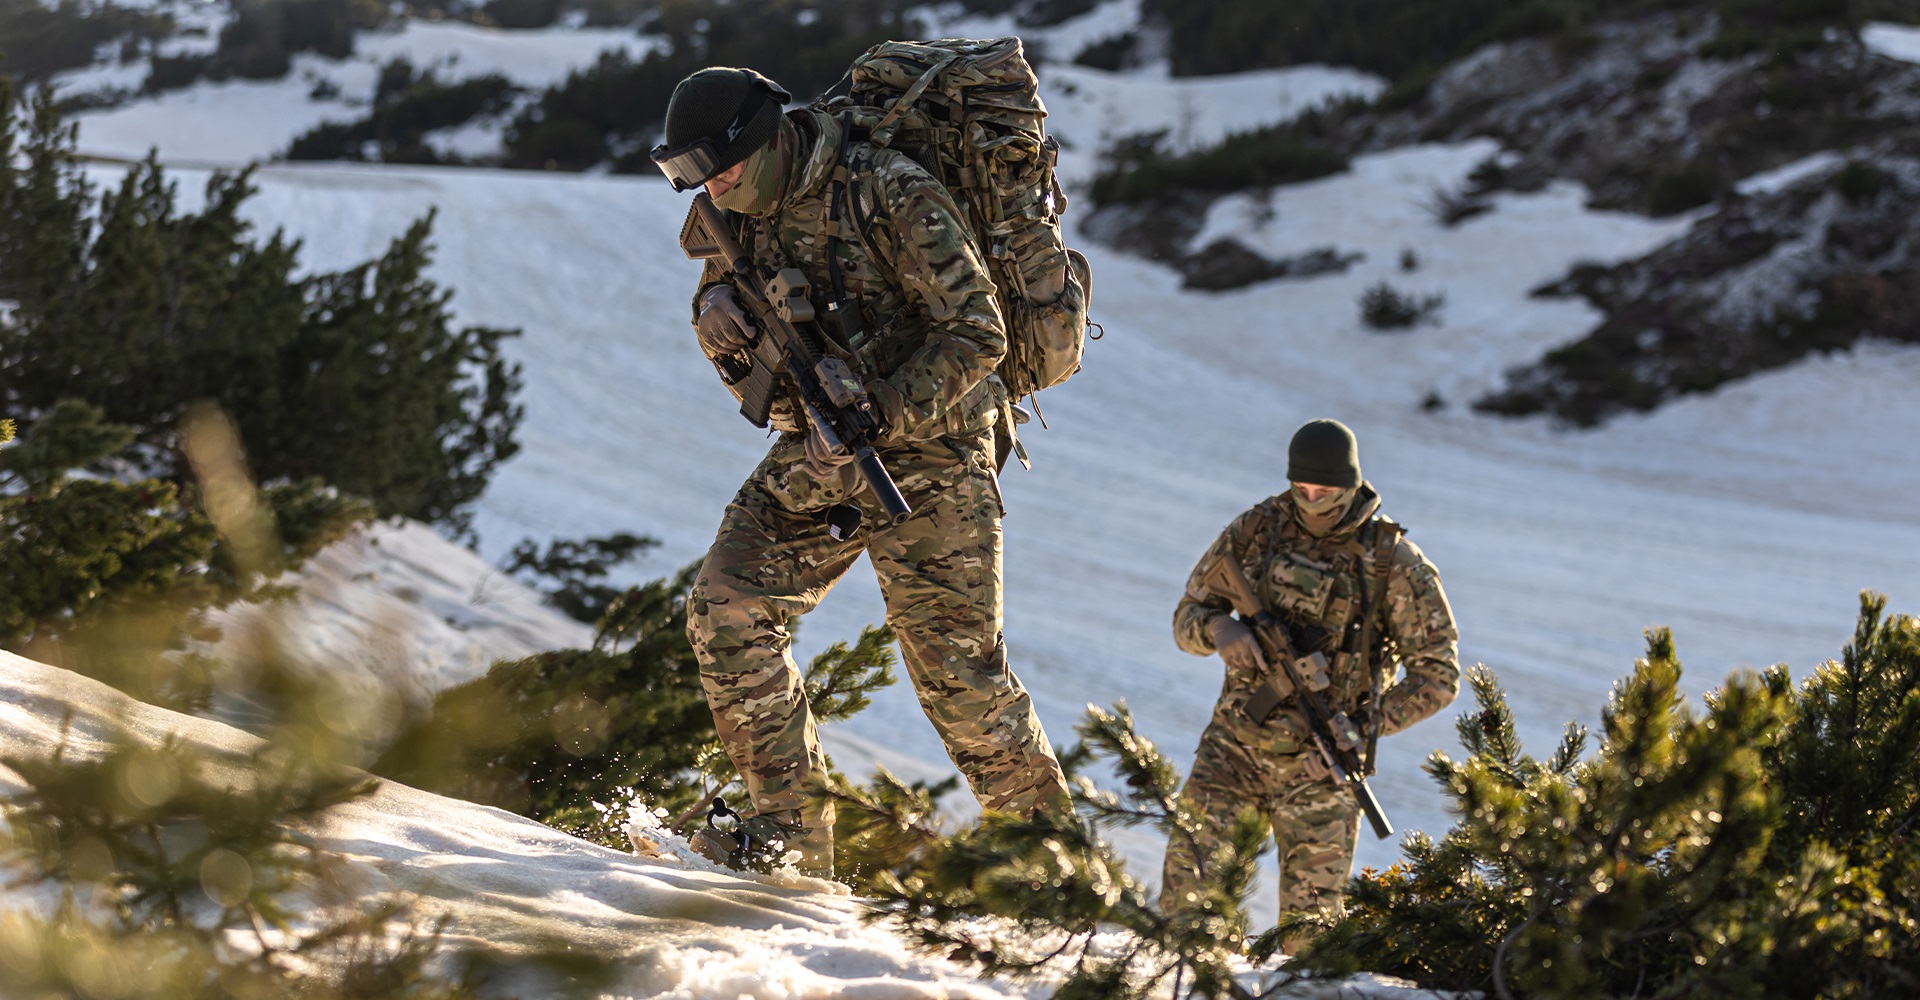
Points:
(1324, 453)
(738, 110)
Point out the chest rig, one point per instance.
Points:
(1332, 593)
(824, 230)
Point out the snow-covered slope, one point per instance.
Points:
(1747, 519)
(406, 613)
(676, 925)
(235, 122)
(670, 923)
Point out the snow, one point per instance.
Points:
(1750, 538)
(679, 928)
(1055, 44)
(1895, 41)
(403, 607)
(1783, 177)
(1747, 519)
(234, 122)
(1089, 108)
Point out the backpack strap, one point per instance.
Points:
(1373, 595)
(912, 95)
(847, 314)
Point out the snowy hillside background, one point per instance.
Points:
(1746, 519)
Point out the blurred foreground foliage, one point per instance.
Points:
(141, 864)
(578, 738)
(111, 578)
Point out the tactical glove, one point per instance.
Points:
(889, 406)
(722, 326)
(821, 460)
(1236, 642)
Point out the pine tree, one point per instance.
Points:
(358, 377)
(576, 568)
(91, 561)
(1763, 845)
(183, 871)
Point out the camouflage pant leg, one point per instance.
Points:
(940, 573)
(1315, 824)
(766, 566)
(1226, 778)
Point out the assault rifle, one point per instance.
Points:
(1302, 678)
(789, 342)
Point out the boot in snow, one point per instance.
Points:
(761, 842)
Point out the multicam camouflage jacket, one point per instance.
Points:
(1317, 583)
(932, 331)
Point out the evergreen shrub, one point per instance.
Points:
(86, 559)
(357, 377)
(1139, 171)
(1406, 41)
(406, 106)
(1687, 186)
(1765, 844)
(259, 43)
(173, 871)
(522, 14)
(1013, 894)
(1859, 181)
(41, 39)
(1383, 307)
(612, 112)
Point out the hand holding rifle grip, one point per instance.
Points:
(1273, 633)
(819, 386)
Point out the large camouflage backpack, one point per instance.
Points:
(970, 112)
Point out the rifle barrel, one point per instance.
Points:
(882, 485)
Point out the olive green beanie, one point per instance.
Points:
(1324, 453)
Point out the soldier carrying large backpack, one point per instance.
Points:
(880, 281)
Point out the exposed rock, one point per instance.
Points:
(1765, 280)
(1157, 230)
(1227, 263)
(1646, 122)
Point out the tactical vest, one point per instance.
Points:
(831, 251)
(1329, 589)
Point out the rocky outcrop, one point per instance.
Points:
(1762, 281)
(1645, 115)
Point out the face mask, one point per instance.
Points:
(1321, 515)
(759, 187)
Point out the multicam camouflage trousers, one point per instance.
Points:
(1315, 823)
(939, 572)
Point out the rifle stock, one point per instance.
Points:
(1277, 644)
(836, 404)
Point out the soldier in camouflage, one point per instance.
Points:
(1316, 555)
(930, 338)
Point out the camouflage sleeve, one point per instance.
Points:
(1199, 605)
(784, 415)
(942, 271)
(1420, 623)
(711, 274)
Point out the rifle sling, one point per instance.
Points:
(1373, 594)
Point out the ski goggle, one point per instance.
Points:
(689, 166)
